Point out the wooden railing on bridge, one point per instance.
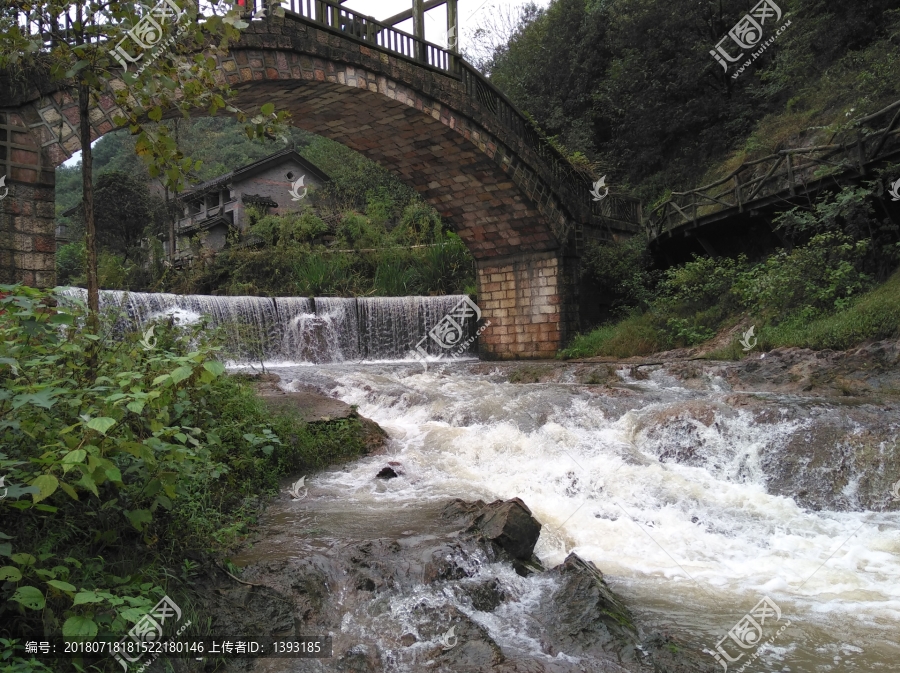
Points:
(572, 186)
(786, 171)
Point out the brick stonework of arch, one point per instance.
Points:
(416, 121)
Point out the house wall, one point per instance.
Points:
(275, 184)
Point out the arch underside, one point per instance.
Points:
(478, 199)
(420, 124)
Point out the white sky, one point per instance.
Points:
(470, 12)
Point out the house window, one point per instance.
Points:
(212, 200)
(194, 207)
(290, 175)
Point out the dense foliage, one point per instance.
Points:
(842, 251)
(631, 83)
(120, 453)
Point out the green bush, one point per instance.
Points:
(119, 451)
(622, 269)
(70, 263)
(320, 274)
(808, 281)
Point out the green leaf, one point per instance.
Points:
(46, 484)
(133, 614)
(30, 597)
(214, 367)
(68, 490)
(5, 548)
(72, 458)
(62, 586)
(161, 379)
(267, 109)
(155, 114)
(41, 399)
(181, 374)
(139, 518)
(83, 597)
(113, 474)
(10, 574)
(88, 482)
(79, 627)
(23, 559)
(137, 406)
(12, 365)
(101, 424)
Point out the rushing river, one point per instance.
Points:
(692, 548)
(662, 486)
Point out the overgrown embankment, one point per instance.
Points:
(126, 460)
(834, 287)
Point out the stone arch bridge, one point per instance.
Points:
(415, 108)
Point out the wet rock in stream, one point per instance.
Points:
(431, 601)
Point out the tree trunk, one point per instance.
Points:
(87, 198)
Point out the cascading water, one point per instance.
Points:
(663, 487)
(293, 329)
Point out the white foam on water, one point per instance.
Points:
(700, 537)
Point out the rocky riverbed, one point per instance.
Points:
(586, 516)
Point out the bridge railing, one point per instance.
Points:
(572, 185)
(789, 170)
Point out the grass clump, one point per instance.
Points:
(121, 453)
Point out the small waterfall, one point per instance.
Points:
(293, 329)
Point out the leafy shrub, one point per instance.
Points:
(118, 450)
(70, 263)
(809, 281)
(621, 268)
(318, 274)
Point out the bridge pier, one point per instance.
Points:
(528, 300)
(27, 210)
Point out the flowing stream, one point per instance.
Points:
(692, 548)
(661, 486)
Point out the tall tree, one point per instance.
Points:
(164, 56)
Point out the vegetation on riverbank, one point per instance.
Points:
(363, 233)
(833, 289)
(124, 456)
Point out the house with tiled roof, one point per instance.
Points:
(276, 184)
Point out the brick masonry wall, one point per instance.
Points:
(27, 219)
(522, 296)
(485, 181)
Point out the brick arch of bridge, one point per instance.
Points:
(414, 120)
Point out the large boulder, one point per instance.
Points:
(585, 617)
(508, 524)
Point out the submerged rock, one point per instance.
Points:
(508, 524)
(586, 617)
(401, 601)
